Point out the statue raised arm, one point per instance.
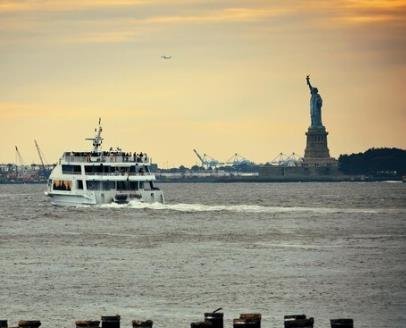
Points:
(308, 82)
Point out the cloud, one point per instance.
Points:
(367, 12)
(367, 19)
(44, 20)
(8, 6)
(127, 30)
(375, 4)
(223, 15)
(102, 37)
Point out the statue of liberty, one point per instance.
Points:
(315, 105)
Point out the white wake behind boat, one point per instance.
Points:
(100, 177)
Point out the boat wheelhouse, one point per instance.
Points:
(99, 177)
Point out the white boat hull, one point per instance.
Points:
(70, 200)
(105, 197)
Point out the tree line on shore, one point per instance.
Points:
(375, 162)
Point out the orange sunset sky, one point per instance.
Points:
(235, 83)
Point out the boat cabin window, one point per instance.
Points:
(62, 185)
(94, 169)
(71, 169)
(127, 185)
(79, 184)
(93, 185)
(107, 169)
(108, 185)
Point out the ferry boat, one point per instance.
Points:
(100, 177)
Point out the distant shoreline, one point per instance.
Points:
(255, 179)
(277, 179)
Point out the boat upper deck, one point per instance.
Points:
(105, 157)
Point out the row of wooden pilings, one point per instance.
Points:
(253, 320)
(105, 322)
(213, 319)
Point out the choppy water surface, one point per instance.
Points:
(327, 250)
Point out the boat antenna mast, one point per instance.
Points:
(97, 140)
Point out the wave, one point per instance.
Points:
(245, 208)
(12, 195)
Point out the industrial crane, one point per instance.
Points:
(237, 159)
(40, 155)
(19, 160)
(199, 157)
(207, 161)
(287, 160)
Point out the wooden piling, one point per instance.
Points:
(342, 323)
(201, 324)
(110, 321)
(87, 324)
(29, 323)
(294, 316)
(244, 323)
(215, 318)
(142, 324)
(298, 321)
(254, 318)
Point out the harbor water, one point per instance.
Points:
(328, 250)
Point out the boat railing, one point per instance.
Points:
(105, 159)
(119, 173)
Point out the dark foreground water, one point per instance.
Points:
(328, 250)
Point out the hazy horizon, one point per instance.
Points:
(235, 82)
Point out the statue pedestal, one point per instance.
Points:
(316, 152)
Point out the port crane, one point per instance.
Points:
(40, 155)
(208, 162)
(237, 159)
(19, 160)
(287, 160)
